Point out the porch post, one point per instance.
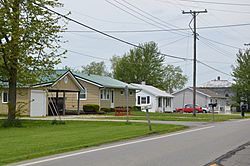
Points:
(162, 106)
(78, 103)
(57, 100)
(64, 103)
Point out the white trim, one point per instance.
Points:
(107, 90)
(81, 99)
(151, 93)
(71, 75)
(41, 85)
(80, 78)
(123, 92)
(3, 97)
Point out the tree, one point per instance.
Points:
(147, 65)
(173, 78)
(29, 42)
(97, 68)
(140, 65)
(241, 74)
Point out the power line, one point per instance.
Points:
(163, 30)
(169, 43)
(213, 68)
(142, 15)
(115, 38)
(87, 55)
(218, 3)
(219, 42)
(219, 10)
(107, 35)
(101, 20)
(149, 14)
(216, 49)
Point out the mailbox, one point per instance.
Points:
(212, 105)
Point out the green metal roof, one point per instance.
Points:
(104, 81)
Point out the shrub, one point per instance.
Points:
(107, 110)
(91, 108)
(135, 108)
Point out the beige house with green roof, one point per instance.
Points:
(69, 91)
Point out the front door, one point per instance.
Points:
(38, 103)
(112, 99)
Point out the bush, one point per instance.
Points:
(91, 108)
(12, 123)
(135, 108)
(106, 110)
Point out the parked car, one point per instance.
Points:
(188, 108)
(205, 109)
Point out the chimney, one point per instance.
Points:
(143, 82)
(218, 78)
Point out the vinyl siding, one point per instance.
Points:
(23, 102)
(92, 96)
(70, 85)
(120, 100)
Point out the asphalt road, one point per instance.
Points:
(194, 147)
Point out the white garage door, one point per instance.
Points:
(38, 103)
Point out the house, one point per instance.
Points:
(159, 101)
(214, 91)
(65, 90)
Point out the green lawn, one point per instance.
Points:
(40, 138)
(137, 115)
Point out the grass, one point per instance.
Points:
(137, 115)
(40, 138)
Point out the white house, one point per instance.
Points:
(159, 101)
(214, 91)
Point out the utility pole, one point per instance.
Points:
(194, 14)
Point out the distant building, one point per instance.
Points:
(214, 91)
(159, 101)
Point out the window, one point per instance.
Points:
(148, 99)
(122, 92)
(168, 102)
(5, 97)
(105, 93)
(159, 102)
(138, 100)
(130, 92)
(143, 100)
(83, 94)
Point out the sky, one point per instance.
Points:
(127, 15)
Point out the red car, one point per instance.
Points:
(188, 108)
